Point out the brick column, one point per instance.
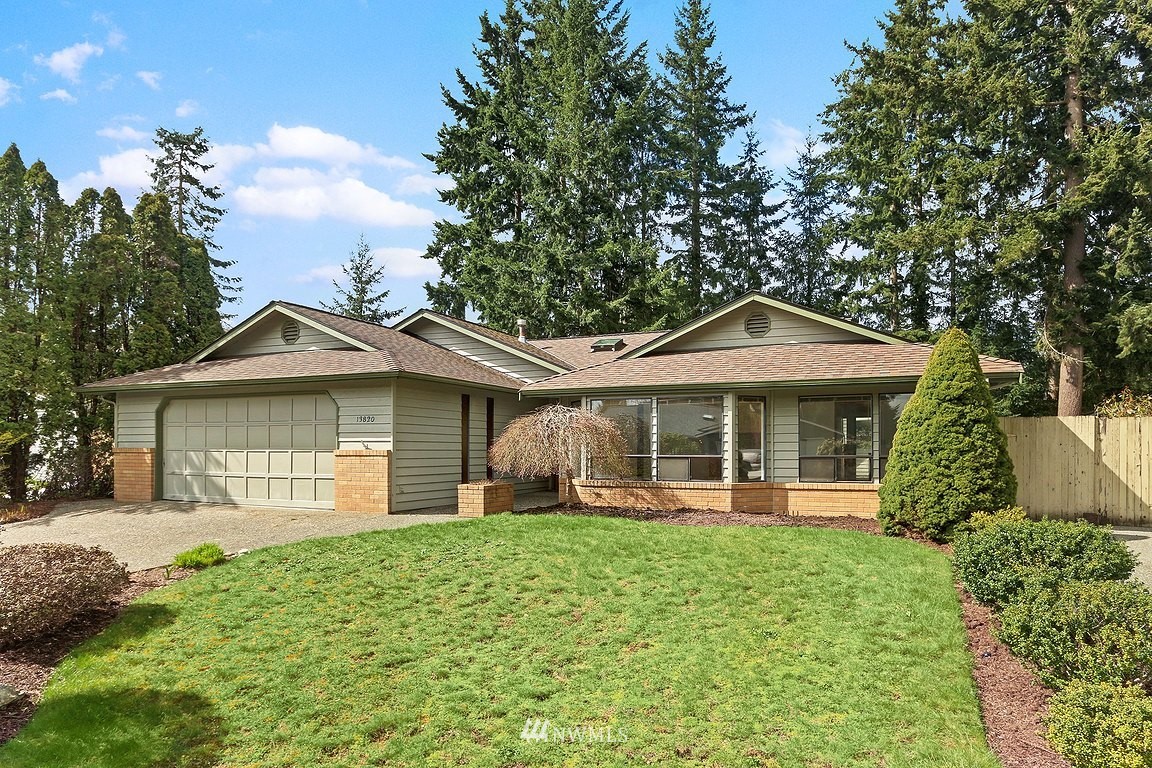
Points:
(363, 481)
(480, 499)
(134, 473)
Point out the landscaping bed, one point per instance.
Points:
(432, 645)
(19, 511)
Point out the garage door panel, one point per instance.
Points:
(268, 449)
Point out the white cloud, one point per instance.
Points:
(320, 274)
(225, 158)
(406, 262)
(7, 91)
(307, 194)
(58, 95)
(116, 36)
(128, 171)
(68, 62)
(304, 142)
(187, 108)
(123, 133)
(423, 184)
(784, 143)
(150, 79)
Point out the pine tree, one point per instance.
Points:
(158, 316)
(701, 121)
(178, 172)
(747, 253)
(362, 299)
(1065, 104)
(809, 270)
(545, 150)
(949, 456)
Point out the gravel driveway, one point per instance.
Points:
(150, 534)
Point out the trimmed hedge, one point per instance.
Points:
(45, 585)
(996, 562)
(949, 457)
(1098, 725)
(1095, 631)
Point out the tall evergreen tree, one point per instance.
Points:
(362, 298)
(544, 150)
(178, 172)
(701, 121)
(158, 318)
(1066, 122)
(809, 269)
(747, 257)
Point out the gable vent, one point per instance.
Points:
(757, 324)
(290, 332)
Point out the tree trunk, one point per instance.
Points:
(1071, 395)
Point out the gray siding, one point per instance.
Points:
(136, 420)
(480, 351)
(263, 338)
(785, 434)
(787, 328)
(426, 445)
(365, 421)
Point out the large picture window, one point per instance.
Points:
(836, 439)
(891, 406)
(690, 438)
(633, 416)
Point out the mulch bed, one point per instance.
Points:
(1012, 699)
(19, 511)
(27, 667)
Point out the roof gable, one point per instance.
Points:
(261, 334)
(755, 320)
(505, 342)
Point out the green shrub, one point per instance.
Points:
(1095, 631)
(200, 556)
(949, 457)
(1098, 725)
(997, 561)
(43, 586)
(981, 520)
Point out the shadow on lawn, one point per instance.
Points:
(120, 728)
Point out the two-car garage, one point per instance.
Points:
(272, 450)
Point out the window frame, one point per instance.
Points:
(764, 452)
(838, 459)
(659, 456)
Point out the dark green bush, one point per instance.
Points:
(43, 586)
(1098, 725)
(200, 556)
(997, 561)
(949, 457)
(1095, 631)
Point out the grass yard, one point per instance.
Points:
(431, 646)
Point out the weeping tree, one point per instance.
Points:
(550, 441)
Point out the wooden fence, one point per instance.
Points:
(1070, 466)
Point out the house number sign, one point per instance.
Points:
(365, 419)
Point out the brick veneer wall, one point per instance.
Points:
(479, 499)
(134, 474)
(793, 498)
(363, 481)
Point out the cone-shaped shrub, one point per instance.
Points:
(949, 456)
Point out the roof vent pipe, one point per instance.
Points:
(521, 326)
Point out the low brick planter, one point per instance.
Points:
(479, 499)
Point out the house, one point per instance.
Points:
(759, 405)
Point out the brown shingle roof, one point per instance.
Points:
(506, 339)
(395, 352)
(577, 350)
(771, 365)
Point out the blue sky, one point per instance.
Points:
(320, 112)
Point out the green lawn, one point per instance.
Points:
(431, 646)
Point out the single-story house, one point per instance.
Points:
(759, 405)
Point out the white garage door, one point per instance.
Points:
(266, 451)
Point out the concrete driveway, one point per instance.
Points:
(1139, 540)
(150, 534)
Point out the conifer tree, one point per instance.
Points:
(949, 456)
(362, 298)
(748, 252)
(701, 121)
(809, 271)
(158, 317)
